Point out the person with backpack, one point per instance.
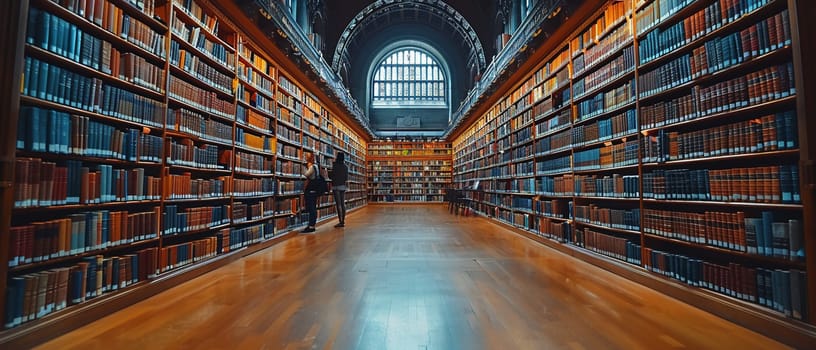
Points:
(311, 192)
(339, 175)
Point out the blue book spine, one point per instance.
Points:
(115, 278)
(764, 236)
(105, 228)
(52, 145)
(65, 133)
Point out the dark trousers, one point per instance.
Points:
(311, 207)
(340, 204)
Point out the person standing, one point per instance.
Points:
(339, 176)
(310, 195)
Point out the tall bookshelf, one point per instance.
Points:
(155, 140)
(661, 139)
(355, 149)
(402, 172)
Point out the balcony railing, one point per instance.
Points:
(482, 88)
(276, 12)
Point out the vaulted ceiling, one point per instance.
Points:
(480, 14)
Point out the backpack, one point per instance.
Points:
(318, 184)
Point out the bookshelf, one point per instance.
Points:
(408, 171)
(665, 137)
(155, 140)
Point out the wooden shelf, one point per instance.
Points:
(85, 207)
(792, 153)
(86, 71)
(776, 206)
(58, 157)
(196, 138)
(196, 200)
(731, 253)
(205, 57)
(601, 227)
(58, 261)
(752, 17)
(202, 84)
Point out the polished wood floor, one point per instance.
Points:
(410, 277)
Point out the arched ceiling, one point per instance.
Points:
(469, 21)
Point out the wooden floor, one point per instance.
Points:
(410, 277)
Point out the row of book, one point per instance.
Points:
(604, 102)
(194, 10)
(207, 101)
(250, 118)
(261, 143)
(180, 220)
(254, 99)
(554, 166)
(616, 126)
(56, 84)
(731, 230)
(242, 237)
(288, 167)
(65, 39)
(242, 212)
(704, 21)
(42, 183)
(553, 143)
(554, 229)
(193, 65)
(184, 186)
(556, 208)
(291, 152)
(615, 247)
(288, 134)
(558, 186)
(258, 80)
(290, 187)
(603, 48)
(51, 131)
(673, 73)
(754, 88)
(253, 163)
(522, 151)
(108, 16)
(290, 88)
(607, 217)
(193, 123)
(616, 155)
(761, 134)
(192, 35)
(623, 64)
(288, 115)
(668, 111)
(79, 233)
(778, 289)
(768, 184)
(186, 153)
(176, 256)
(255, 187)
(614, 186)
(519, 136)
(33, 296)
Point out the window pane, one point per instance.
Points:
(409, 74)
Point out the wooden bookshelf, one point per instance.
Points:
(220, 129)
(590, 134)
(402, 172)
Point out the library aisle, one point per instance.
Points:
(410, 277)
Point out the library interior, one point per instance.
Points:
(520, 174)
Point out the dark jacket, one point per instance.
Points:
(339, 174)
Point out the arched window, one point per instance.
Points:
(409, 76)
